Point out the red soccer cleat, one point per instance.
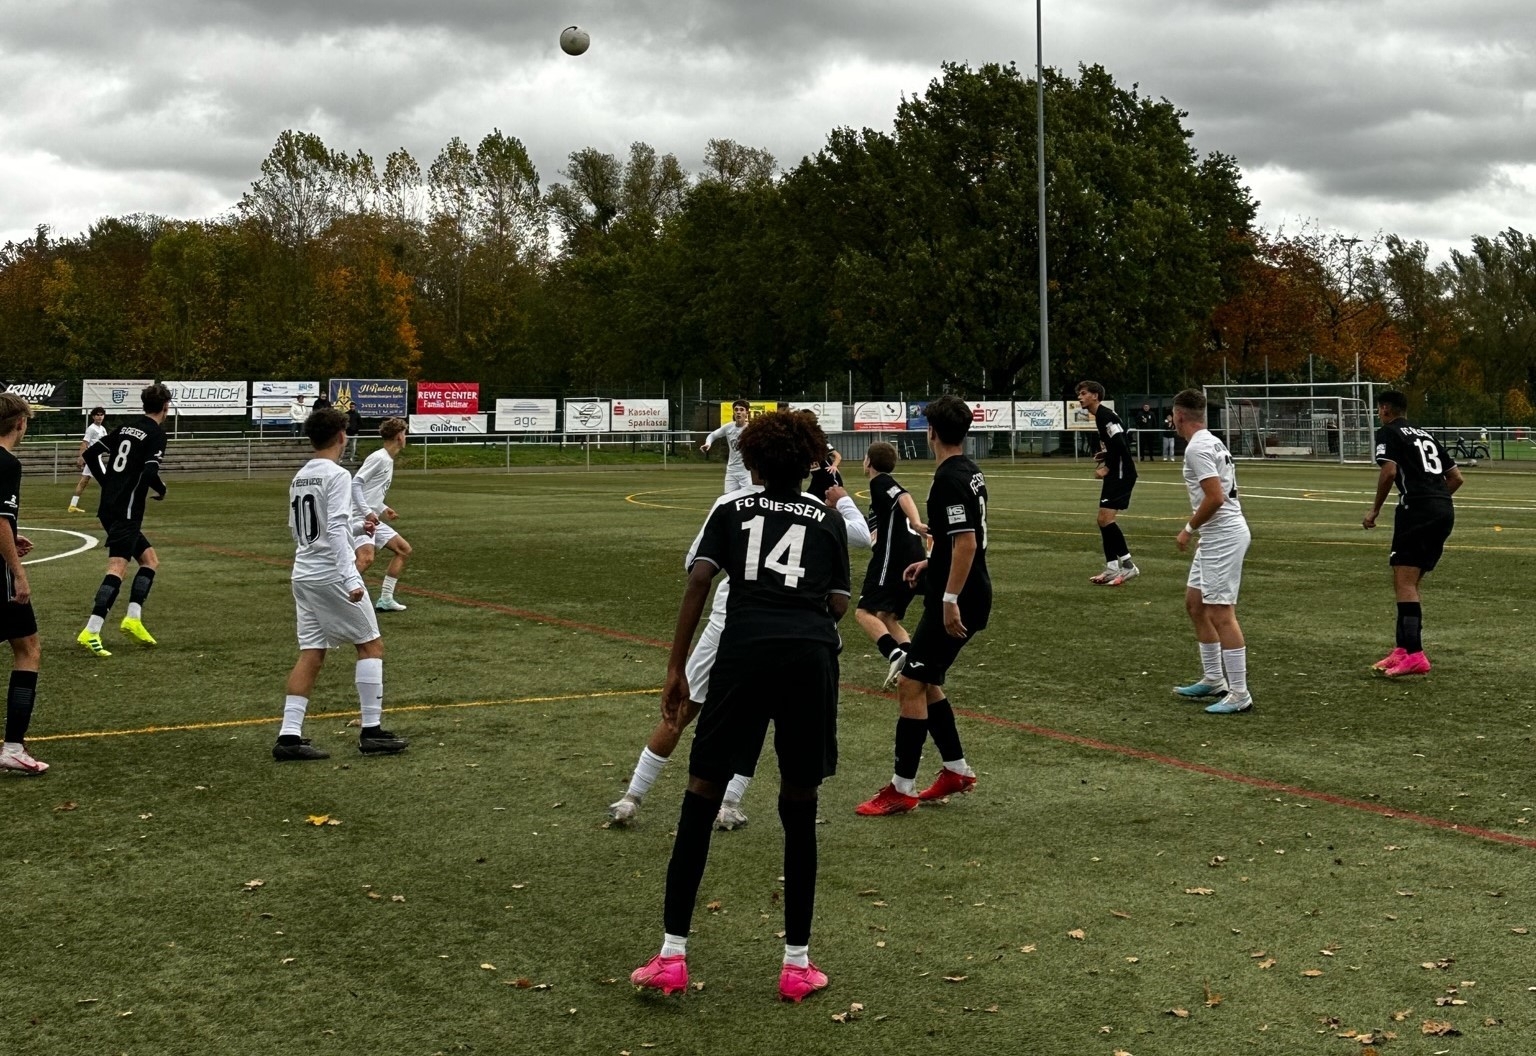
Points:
(667, 974)
(948, 783)
(796, 984)
(887, 801)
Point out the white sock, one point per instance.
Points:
(135, 610)
(674, 945)
(1210, 662)
(1236, 663)
(959, 766)
(95, 624)
(737, 788)
(907, 786)
(293, 716)
(797, 956)
(1125, 561)
(647, 770)
(370, 690)
(389, 587)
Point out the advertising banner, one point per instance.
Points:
(587, 416)
(448, 397)
(828, 415)
(990, 416)
(917, 415)
(270, 400)
(446, 424)
(208, 399)
(641, 416)
(42, 395)
(883, 417)
(525, 416)
(373, 397)
(758, 407)
(1039, 416)
(116, 395)
(1080, 420)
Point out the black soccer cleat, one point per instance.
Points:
(288, 753)
(380, 741)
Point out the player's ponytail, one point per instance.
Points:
(13, 411)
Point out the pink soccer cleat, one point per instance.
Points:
(1392, 659)
(1410, 664)
(948, 783)
(667, 974)
(796, 984)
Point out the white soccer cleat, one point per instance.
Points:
(623, 812)
(1124, 573)
(893, 673)
(388, 605)
(731, 816)
(1106, 576)
(16, 757)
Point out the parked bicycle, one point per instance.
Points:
(1469, 451)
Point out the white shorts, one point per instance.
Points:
(702, 660)
(1217, 570)
(329, 619)
(85, 474)
(736, 479)
(382, 534)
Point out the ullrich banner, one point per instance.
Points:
(206, 399)
(373, 397)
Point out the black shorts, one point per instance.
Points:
(1116, 494)
(125, 539)
(933, 649)
(16, 621)
(893, 597)
(791, 683)
(1419, 535)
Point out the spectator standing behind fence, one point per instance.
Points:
(1170, 436)
(1146, 427)
(354, 426)
(298, 413)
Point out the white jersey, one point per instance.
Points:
(730, 432)
(1207, 457)
(374, 477)
(319, 516)
(93, 433)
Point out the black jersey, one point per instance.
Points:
(784, 553)
(957, 504)
(897, 545)
(1117, 453)
(824, 475)
(1421, 463)
(10, 512)
(128, 460)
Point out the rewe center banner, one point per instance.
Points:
(446, 424)
(373, 397)
(525, 416)
(641, 416)
(448, 397)
(207, 399)
(115, 394)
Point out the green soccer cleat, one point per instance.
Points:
(135, 629)
(92, 641)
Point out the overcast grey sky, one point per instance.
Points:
(1406, 116)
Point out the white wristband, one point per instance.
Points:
(1189, 528)
(951, 599)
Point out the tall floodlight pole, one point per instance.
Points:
(1045, 315)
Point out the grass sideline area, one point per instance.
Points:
(1130, 876)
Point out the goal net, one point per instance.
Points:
(1329, 421)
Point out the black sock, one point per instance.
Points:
(1410, 626)
(941, 727)
(106, 594)
(690, 852)
(1111, 554)
(1115, 546)
(886, 645)
(141, 584)
(18, 705)
(289, 739)
(799, 819)
(910, 735)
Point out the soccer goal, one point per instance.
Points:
(1327, 421)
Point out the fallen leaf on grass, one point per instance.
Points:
(869, 892)
(698, 986)
(1077, 933)
(251, 885)
(522, 984)
(1312, 973)
(1212, 998)
(1438, 1028)
(288, 960)
(317, 819)
(1132, 960)
(1030, 948)
(488, 967)
(1267, 963)
(715, 906)
(1199, 891)
(1120, 913)
(1121, 1052)
(65, 806)
(881, 904)
(1179, 1013)
(956, 978)
(1442, 964)
(374, 895)
(397, 898)
(1520, 931)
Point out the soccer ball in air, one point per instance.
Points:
(574, 40)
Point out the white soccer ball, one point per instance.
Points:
(574, 40)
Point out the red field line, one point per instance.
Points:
(1060, 736)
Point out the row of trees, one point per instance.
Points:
(907, 258)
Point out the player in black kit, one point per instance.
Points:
(957, 601)
(1426, 477)
(18, 621)
(898, 534)
(126, 463)
(786, 556)
(824, 470)
(1117, 469)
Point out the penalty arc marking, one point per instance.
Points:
(90, 543)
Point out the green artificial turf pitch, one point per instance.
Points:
(1131, 874)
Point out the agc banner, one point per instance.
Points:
(525, 416)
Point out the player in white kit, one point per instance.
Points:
(736, 475)
(1216, 574)
(93, 432)
(373, 478)
(329, 596)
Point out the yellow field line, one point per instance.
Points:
(396, 709)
